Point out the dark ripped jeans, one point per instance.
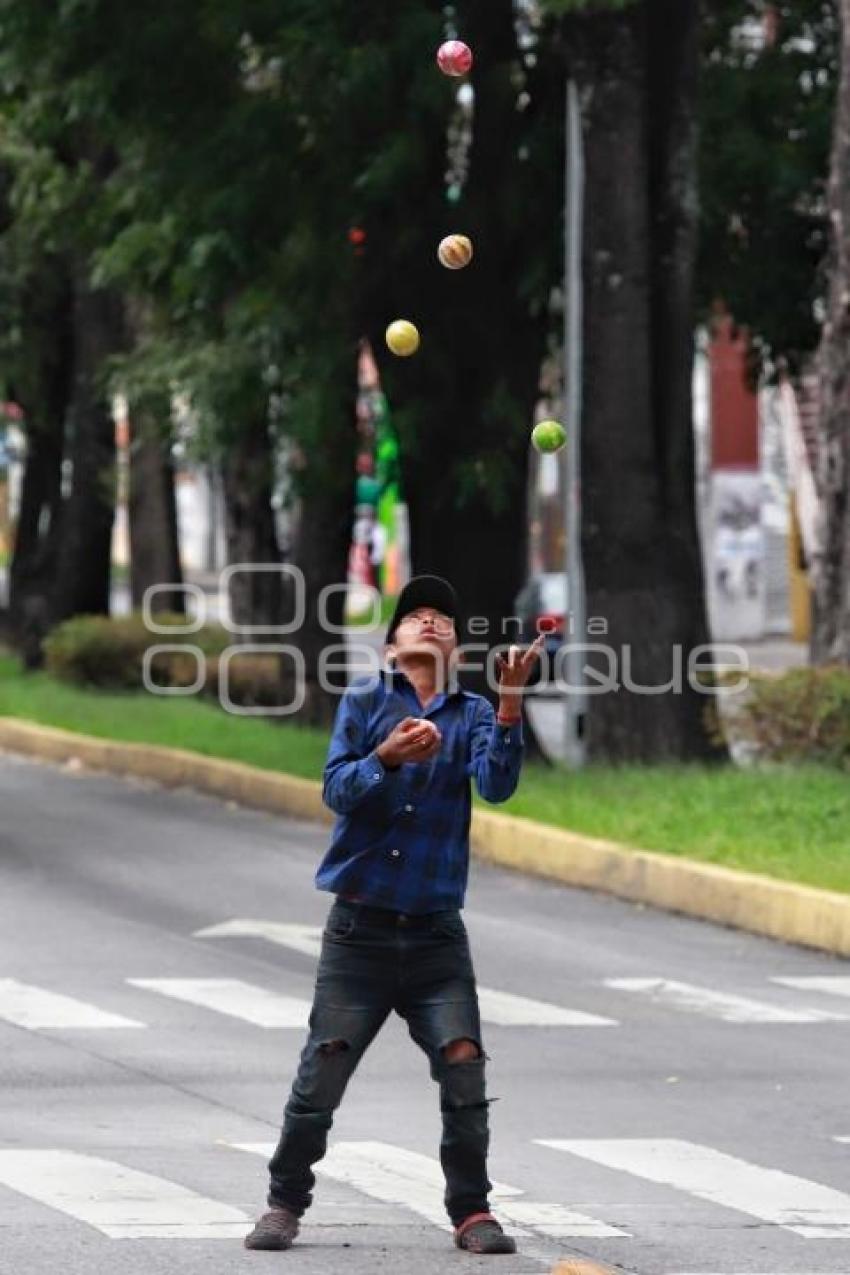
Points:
(421, 968)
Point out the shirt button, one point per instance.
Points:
(376, 775)
(408, 810)
(395, 853)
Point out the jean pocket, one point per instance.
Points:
(448, 925)
(339, 927)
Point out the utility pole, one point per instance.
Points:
(575, 622)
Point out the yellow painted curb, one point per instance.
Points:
(171, 767)
(762, 905)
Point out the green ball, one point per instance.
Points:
(548, 436)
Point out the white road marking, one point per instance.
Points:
(841, 1137)
(504, 1009)
(722, 1005)
(35, 1008)
(306, 939)
(832, 984)
(796, 1204)
(501, 1009)
(386, 1173)
(557, 1222)
(117, 1201)
(415, 1182)
(232, 997)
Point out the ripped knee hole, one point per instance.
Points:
(459, 1051)
(333, 1047)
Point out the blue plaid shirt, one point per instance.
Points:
(401, 840)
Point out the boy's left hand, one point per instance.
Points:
(515, 671)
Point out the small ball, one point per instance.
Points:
(454, 58)
(548, 436)
(402, 338)
(455, 252)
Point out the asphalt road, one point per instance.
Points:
(664, 1104)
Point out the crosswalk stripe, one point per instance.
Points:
(117, 1201)
(557, 1222)
(722, 1005)
(306, 939)
(38, 1009)
(501, 1009)
(832, 984)
(233, 997)
(384, 1172)
(796, 1204)
(504, 1009)
(415, 1182)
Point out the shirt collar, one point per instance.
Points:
(452, 690)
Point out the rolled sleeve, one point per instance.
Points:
(495, 755)
(352, 775)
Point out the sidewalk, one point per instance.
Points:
(776, 654)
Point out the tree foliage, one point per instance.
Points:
(768, 86)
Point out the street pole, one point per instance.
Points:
(575, 619)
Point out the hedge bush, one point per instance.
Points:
(105, 652)
(801, 716)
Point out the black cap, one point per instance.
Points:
(424, 591)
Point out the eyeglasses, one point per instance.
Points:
(441, 624)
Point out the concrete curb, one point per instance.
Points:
(762, 905)
(171, 767)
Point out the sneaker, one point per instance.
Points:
(481, 1233)
(275, 1230)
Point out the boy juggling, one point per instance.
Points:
(398, 776)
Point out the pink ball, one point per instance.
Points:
(454, 58)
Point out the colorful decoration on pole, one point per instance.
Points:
(402, 338)
(455, 252)
(454, 58)
(548, 436)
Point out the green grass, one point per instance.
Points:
(792, 823)
(148, 719)
(788, 823)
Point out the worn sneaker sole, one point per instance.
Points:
(492, 1244)
(267, 1243)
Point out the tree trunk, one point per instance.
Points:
(637, 70)
(152, 509)
(323, 529)
(83, 570)
(831, 629)
(44, 395)
(257, 597)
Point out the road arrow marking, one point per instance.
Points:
(831, 984)
(722, 1005)
(306, 939)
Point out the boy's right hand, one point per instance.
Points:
(413, 740)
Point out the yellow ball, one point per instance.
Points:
(455, 252)
(402, 338)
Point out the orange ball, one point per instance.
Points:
(455, 252)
